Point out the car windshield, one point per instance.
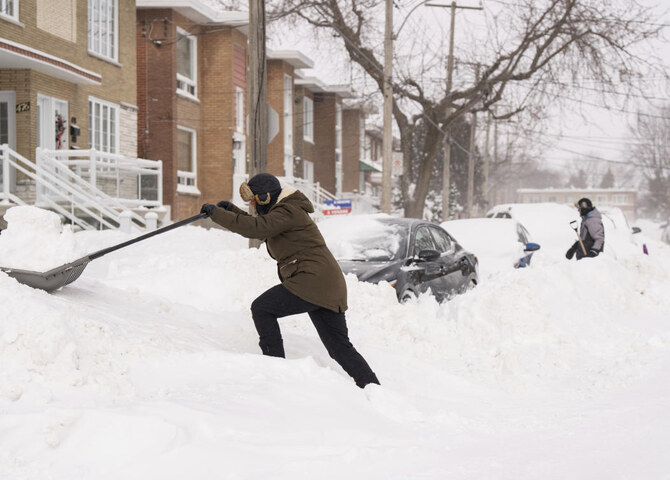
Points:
(365, 239)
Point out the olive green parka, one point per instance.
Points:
(305, 266)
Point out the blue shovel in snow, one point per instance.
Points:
(60, 276)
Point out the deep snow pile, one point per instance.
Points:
(148, 367)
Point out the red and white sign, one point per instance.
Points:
(337, 211)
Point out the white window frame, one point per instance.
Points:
(308, 119)
(4, 6)
(188, 87)
(98, 45)
(187, 182)
(113, 138)
(239, 110)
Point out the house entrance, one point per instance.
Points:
(52, 123)
(8, 130)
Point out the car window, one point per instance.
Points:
(523, 233)
(503, 215)
(363, 239)
(441, 240)
(423, 240)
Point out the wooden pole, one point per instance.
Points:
(387, 141)
(257, 89)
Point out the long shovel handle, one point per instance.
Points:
(579, 237)
(172, 226)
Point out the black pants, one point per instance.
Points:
(278, 302)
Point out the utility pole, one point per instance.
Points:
(486, 163)
(446, 174)
(471, 154)
(387, 141)
(257, 106)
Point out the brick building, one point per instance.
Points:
(623, 198)
(191, 95)
(319, 132)
(63, 64)
(281, 73)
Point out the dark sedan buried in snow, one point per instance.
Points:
(413, 256)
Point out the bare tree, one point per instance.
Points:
(650, 150)
(538, 51)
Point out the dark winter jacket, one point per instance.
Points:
(592, 231)
(305, 266)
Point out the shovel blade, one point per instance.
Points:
(53, 279)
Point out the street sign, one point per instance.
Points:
(340, 206)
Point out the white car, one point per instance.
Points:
(500, 243)
(550, 224)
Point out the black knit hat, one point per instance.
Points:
(584, 205)
(264, 189)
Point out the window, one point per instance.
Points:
(239, 110)
(103, 125)
(9, 8)
(338, 149)
(423, 241)
(103, 28)
(187, 63)
(186, 160)
(52, 123)
(308, 119)
(441, 240)
(620, 199)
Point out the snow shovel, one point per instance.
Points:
(68, 273)
(573, 224)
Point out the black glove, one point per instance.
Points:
(570, 253)
(208, 209)
(225, 204)
(592, 253)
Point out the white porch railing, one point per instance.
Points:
(70, 183)
(131, 182)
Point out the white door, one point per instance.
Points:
(8, 129)
(52, 123)
(288, 126)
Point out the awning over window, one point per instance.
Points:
(16, 55)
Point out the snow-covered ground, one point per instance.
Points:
(147, 367)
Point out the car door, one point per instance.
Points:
(429, 274)
(453, 279)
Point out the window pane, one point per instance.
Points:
(184, 56)
(112, 130)
(105, 129)
(4, 123)
(184, 151)
(423, 241)
(97, 126)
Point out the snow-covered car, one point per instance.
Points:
(550, 224)
(413, 256)
(499, 243)
(665, 235)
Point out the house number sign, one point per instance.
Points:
(22, 107)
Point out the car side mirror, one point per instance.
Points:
(636, 230)
(429, 255)
(531, 247)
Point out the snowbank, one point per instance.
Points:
(148, 367)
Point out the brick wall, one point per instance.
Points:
(302, 149)
(324, 139)
(276, 71)
(54, 37)
(351, 147)
(58, 17)
(221, 68)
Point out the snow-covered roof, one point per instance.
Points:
(199, 11)
(293, 57)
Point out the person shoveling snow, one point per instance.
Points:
(311, 280)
